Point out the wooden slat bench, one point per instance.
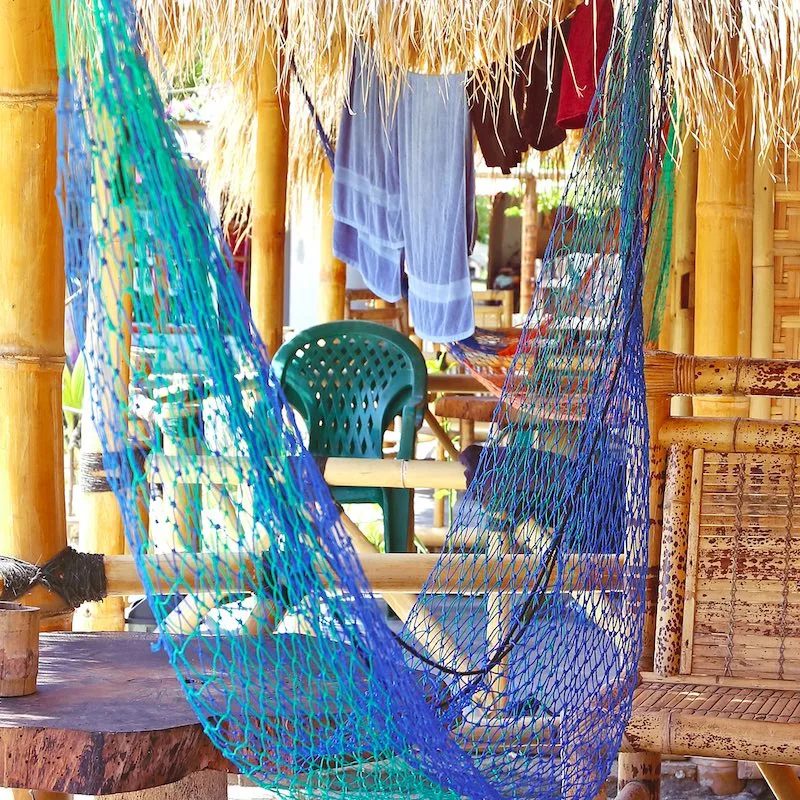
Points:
(725, 675)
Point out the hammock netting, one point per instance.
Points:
(512, 671)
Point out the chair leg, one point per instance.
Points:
(782, 779)
(398, 528)
(643, 769)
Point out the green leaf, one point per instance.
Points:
(78, 383)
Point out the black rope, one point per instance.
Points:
(76, 577)
(93, 473)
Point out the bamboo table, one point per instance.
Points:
(108, 716)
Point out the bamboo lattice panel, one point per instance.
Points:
(743, 575)
(787, 277)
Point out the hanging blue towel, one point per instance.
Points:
(404, 192)
(367, 230)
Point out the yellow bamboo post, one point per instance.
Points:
(32, 503)
(763, 273)
(724, 255)
(332, 272)
(269, 201)
(683, 248)
(102, 529)
(530, 241)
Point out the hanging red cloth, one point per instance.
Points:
(587, 46)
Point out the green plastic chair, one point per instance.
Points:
(349, 380)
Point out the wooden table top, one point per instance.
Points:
(108, 716)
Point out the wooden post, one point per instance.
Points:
(32, 504)
(782, 779)
(332, 272)
(724, 254)
(269, 201)
(530, 242)
(19, 649)
(763, 273)
(683, 259)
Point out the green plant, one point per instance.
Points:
(73, 385)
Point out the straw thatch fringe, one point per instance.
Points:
(720, 48)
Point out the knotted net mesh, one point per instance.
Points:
(512, 672)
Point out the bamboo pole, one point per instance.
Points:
(332, 271)
(530, 244)
(782, 779)
(394, 573)
(108, 345)
(684, 233)
(763, 274)
(32, 504)
(269, 201)
(724, 254)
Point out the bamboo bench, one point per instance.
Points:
(725, 675)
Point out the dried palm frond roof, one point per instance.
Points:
(718, 49)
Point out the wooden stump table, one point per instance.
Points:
(108, 716)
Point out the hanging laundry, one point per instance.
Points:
(526, 114)
(587, 46)
(498, 129)
(539, 126)
(404, 193)
(367, 230)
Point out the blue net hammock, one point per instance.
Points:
(512, 672)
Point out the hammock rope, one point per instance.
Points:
(292, 665)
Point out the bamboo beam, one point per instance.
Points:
(386, 473)
(32, 505)
(724, 252)
(269, 201)
(671, 374)
(732, 435)
(763, 274)
(530, 244)
(392, 573)
(684, 232)
(332, 271)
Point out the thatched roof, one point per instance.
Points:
(718, 49)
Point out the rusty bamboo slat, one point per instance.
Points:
(677, 498)
(692, 547)
(269, 201)
(19, 649)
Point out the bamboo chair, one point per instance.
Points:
(364, 305)
(494, 308)
(725, 677)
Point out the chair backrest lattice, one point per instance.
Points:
(349, 380)
(730, 572)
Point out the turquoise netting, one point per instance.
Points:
(512, 674)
